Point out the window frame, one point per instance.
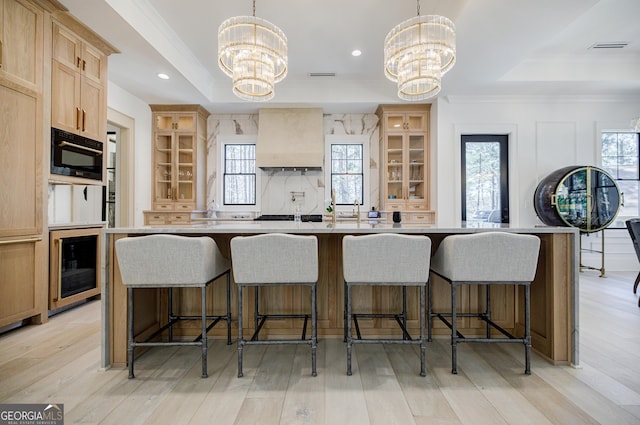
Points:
(221, 148)
(348, 139)
(621, 217)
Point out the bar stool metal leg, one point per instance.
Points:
(240, 337)
(204, 331)
(405, 335)
(256, 315)
(454, 330)
(488, 311)
(527, 330)
(345, 312)
(429, 311)
(170, 313)
(349, 342)
(130, 343)
(314, 330)
(423, 345)
(229, 308)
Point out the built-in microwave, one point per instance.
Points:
(76, 156)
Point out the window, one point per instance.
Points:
(348, 173)
(239, 181)
(621, 159)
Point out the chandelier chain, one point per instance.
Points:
(418, 2)
(254, 7)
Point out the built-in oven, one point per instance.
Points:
(74, 265)
(75, 156)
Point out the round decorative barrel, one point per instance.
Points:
(577, 196)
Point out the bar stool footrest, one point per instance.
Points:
(263, 318)
(397, 316)
(483, 317)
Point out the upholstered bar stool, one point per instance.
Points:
(489, 258)
(271, 260)
(386, 260)
(168, 262)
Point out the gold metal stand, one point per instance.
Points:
(601, 252)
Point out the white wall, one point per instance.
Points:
(544, 134)
(123, 102)
(276, 186)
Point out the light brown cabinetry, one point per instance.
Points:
(79, 78)
(21, 27)
(88, 268)
(404, 150)
(166, 217)
(179, 142)
(21, 151)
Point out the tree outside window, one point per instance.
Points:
(621, 159)
(239, 179)
(347, 173)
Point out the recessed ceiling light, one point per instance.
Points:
(356, 53)
(163, 76)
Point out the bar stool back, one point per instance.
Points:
(488, 258)
(386, 260)
(171, 261)
(633, 226)
(275, 259)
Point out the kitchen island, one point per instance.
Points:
(554, 292)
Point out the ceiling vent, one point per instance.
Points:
(322, 74)
(609, 45)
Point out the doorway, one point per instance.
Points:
(485, 178)
(122, 172)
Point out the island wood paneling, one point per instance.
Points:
(550, 302)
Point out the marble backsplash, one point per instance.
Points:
(283, 190)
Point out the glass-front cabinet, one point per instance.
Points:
(175, 153)
(404, 132)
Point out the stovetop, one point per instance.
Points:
(289, 217)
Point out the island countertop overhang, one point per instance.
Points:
(249, 227)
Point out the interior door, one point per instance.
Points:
(485, 178)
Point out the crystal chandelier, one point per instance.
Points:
(417, 53)
(253, 52)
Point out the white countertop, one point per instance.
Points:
(249, 227)
(77, 225)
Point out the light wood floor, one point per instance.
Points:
(59, 363)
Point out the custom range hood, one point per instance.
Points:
(290, 138)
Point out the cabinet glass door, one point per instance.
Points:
(186, 122)
(163, 167)
(185, 167)
(395, 167)
(416, 122)
(164, 121)
(395, 122)
(416, 168)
